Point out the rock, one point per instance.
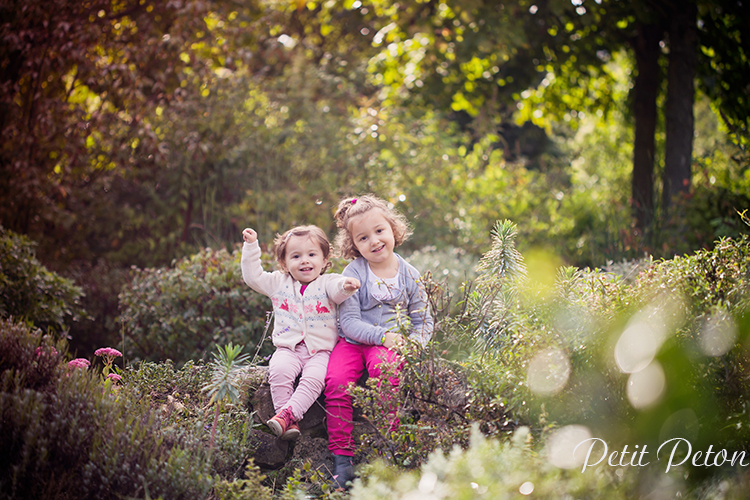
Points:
(261, 403)
(255, 382)
(271, 452)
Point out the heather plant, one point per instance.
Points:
(425, 411)
(33, 357)
(67, 435)
(186, 311)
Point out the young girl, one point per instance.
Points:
(304, 304)
(368, 232)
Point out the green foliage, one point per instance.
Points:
(582, 352)
(490, 468)
(249, 488)
(178, 398)
(184, 312)
(30, 292)
(226, 368)
(226, 372)
(722, 28)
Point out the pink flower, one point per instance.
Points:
(79, 363)
(40, 351)
(115, 377)
(108, 352)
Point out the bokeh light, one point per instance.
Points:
(718, 335)
(644, 335)
(548, 371)
(561, 446)
(645, 387)
(526, 488)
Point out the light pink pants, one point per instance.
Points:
(285, 365)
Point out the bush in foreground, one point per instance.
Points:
(67, 433)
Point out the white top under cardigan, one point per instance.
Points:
(364, 319)
(310, 317)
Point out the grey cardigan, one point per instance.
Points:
(364, 319)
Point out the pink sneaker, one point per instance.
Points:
(283, 425)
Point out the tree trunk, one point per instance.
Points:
(683, 43)
(646, 89)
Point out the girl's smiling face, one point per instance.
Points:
(373, 237)
(304, 259)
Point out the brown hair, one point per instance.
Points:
(352, 207)
(313, 232)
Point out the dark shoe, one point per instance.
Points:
(283, 425)
(343, 472)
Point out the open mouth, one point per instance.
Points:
(306, 269)
(378, 249)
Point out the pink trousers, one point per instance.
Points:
(285, 365)
(347, 363)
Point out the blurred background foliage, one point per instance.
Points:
(135, 133)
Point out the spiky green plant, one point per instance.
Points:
(226, 367)
(500, 271)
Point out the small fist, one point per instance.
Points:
(351, 284)
(249, 235)
(393, 340)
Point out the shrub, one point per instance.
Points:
(177, 397)
(75, 437)
(31, 293)
(186, 311)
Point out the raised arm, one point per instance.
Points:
(252, 269)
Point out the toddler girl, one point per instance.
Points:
(304, 304)
(368, 232)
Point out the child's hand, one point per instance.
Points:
(351, 284)
(249, 235)
(393, 340)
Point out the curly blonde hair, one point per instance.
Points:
(352, 207)
(313, 232)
